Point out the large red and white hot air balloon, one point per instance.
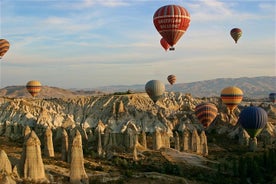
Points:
(171, 21)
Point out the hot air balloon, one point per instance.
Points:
(253, 120)
(164, 44)
(33, 87)
(171, 21)
(171, 79)
(231, 97)
(272, 97)
(155, 89)
(206, 113)
(4, 47)
(236, 33)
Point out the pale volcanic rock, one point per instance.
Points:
(195, 142)
(32, 164)
(203, 143)
(48, 143)
(5, 164)
(64, 146)
(77, 171)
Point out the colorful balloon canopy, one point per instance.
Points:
(206, 113)
(33, 87)
(4, 47)
(164, 44)
(171, 79)
(253, 120)
(236, 33)
(272, 97)
(155, 89)
(171, 21)
(231, 97)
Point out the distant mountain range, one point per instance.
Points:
(255, 87)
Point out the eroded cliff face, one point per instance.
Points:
(175, 112)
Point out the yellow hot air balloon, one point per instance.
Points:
(4, 47)
(231, 96)
(33, 87)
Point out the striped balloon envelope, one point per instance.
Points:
(33, 87)
(4, 47)
(253, 120)
(171, 21)
(171, 79)
(206, 113)
(236, 33)
(272, 97)
(231, 97)
(155, 89)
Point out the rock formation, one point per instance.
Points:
(203, 143)
(195, 142)
(64, 146)
(176, 141)
(32, 166)
(186, 141)
(157, 140)
(77, 171)
(5, 164)
(48, 143)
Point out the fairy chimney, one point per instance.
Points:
(176, 141)
(144, 139)
(64, 145)
(5, 164)
(32, 164)
(185, 140)
(77, 171)
(99, 147)
(157, 140)
(195, 142)
(48, 143)
(203, 143)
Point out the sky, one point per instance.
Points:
(93, 43)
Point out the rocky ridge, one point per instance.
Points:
(129, 123)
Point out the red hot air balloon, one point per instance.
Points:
(164, 44)
(206, 113)
(171, 21)
(171, 79)
(236, 33)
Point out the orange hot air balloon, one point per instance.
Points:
(206, 113)
(231, 97)
(164, 44)
(236, 33)
(4, 47)
(171, 79)
(171, 21)
(33, 87)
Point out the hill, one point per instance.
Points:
(255, 87)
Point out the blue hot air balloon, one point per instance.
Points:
(253, 120)
(272, 97)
